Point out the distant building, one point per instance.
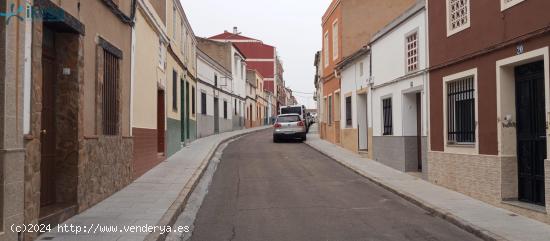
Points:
(259, 56)
(214, 96)
(251, 114)
(231, 58)
(347, 26)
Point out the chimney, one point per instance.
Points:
(235, 30)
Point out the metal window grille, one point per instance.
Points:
(110, 109)
(174, 90)
(348, 111)
(387, 116)
(459, 12)
(203, 103)
(461, 111)
(412, 52)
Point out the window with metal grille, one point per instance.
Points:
(348, 111)
(412, 52)
(461, 126)
(458, 15)
(174, 90)
(203, 103)
(387, 116)
(110, 110)
(225, 110)
(193, 101)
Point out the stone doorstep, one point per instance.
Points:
(459, 222)
(171, 215)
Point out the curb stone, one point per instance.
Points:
(447, 216)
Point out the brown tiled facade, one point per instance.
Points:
(487, 169)
(145, 150)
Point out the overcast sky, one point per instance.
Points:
(293, 26)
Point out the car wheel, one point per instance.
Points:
(304, 138)
(275, 140)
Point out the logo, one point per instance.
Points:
(28, 12)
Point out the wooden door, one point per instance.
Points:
(160, 122)
(531, 131)
(48, 131)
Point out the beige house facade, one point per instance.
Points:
(78, 142)
(149, 88)
(181, 79)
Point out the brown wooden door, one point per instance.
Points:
(48, 132)
(160, 122)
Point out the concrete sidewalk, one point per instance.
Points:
(484, 220)
(156, 198)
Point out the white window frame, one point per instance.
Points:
(326, 49)
(505, 5)
(335, 49)
(458, 148)
(451, 31)
(183, 39)
(187, 45)
(174, 22)
(162, 55)
(414, 32)
(330, 109)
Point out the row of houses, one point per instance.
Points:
(96, 93)
(455, 92)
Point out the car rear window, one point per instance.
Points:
(287, 119)
(291, 110)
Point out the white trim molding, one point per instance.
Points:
(458, 148)
(467, 17)
(505, 79)
(505, 4)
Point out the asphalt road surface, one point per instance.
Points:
(289, 191)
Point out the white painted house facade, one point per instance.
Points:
(399, 82)
(214, 98)
(356, 124)
(239, 87)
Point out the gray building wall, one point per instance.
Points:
(205, 125)
(400, 152)
(237, 122)
(226, 125)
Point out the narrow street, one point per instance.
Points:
(289, 191)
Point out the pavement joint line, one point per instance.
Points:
(170, 216)
(447, 216)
